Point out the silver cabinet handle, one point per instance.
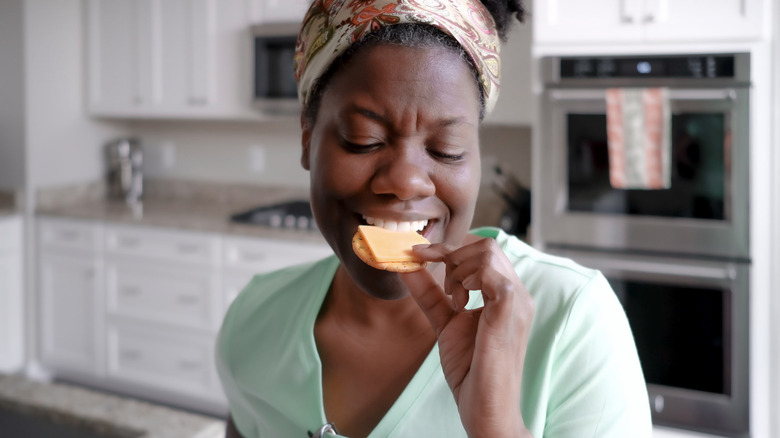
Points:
(130, 354)
(128, 242)
(68, 235)
(189, 248)
(648, 19)
(130, 291)
(627, 19)
(188, 299)
(254, 256)
(188, 365)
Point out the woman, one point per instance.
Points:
(393, 92)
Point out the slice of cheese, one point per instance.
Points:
(391, 246)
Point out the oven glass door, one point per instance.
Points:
(705, 211)
(699, 167)
(689, 319)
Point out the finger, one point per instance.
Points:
(430, 297)
(435, 252)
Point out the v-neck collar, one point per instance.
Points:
(423, 377)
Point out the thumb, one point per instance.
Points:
(430, 297)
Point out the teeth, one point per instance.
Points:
(397, 226)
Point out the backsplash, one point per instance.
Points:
(268, 153)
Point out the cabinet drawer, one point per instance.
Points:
(69, 234)
(165, 245)
(180, 296)
(161, 358)
(263, 255)
(10, 233)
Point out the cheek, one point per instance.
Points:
(336, 174)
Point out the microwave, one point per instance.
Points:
(275, 90)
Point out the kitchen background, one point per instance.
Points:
(177, 75)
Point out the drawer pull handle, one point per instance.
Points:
(131, 354)
(189, 249)
(130, 291)
(68, 235)
(128, 242)
(254, 256)
(188, 299)
(188, 365)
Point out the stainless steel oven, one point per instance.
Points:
(678, 258)
(689, 318)
(705, 211)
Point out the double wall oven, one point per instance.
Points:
(678, 258)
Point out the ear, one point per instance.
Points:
(305, 141)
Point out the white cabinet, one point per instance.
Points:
(165, 277)
(278, 11)
(163, 308)
(11, 303)
(70, 285)
(245, 257)
(169, 59)
(630, 21)
(138, 308)
(170, 359)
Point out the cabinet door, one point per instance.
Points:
(702, 20)
(11, 312)
(70, 312)
(120, 39)
(581, 22)
(278, 11)
(187, 44)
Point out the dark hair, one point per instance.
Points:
(419, 36)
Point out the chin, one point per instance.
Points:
(379, 284)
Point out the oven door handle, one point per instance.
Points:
(727, 272)
(720, 94)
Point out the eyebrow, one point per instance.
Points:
(443, 123)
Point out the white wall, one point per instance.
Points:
(64, 146)
(12, 141)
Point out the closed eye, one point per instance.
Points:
(447, 157)
(360, 148)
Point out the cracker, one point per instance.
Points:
(364, 253)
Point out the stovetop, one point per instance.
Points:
(294, 214)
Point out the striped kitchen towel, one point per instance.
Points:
(638, 133)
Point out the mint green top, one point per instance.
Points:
(582, 376)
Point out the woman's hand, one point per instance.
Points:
(483, 350)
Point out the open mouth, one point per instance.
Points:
(420, 226)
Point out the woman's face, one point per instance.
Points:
(395, 144)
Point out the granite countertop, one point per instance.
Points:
(198, 206)
(104, 413)
(195, 206)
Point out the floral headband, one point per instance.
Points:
(331, 26)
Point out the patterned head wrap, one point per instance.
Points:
(331, 26)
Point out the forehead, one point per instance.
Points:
(431, 81)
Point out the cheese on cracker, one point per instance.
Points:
(390, 246)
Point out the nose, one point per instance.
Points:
(405, 172)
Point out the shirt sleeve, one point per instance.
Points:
(597, 386)
(240, 408)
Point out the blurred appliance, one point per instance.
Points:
(690, 319)
(706, 209)
(124, 160)
(294, 214)
(275, 90)
(678, 258)
(516, 216)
